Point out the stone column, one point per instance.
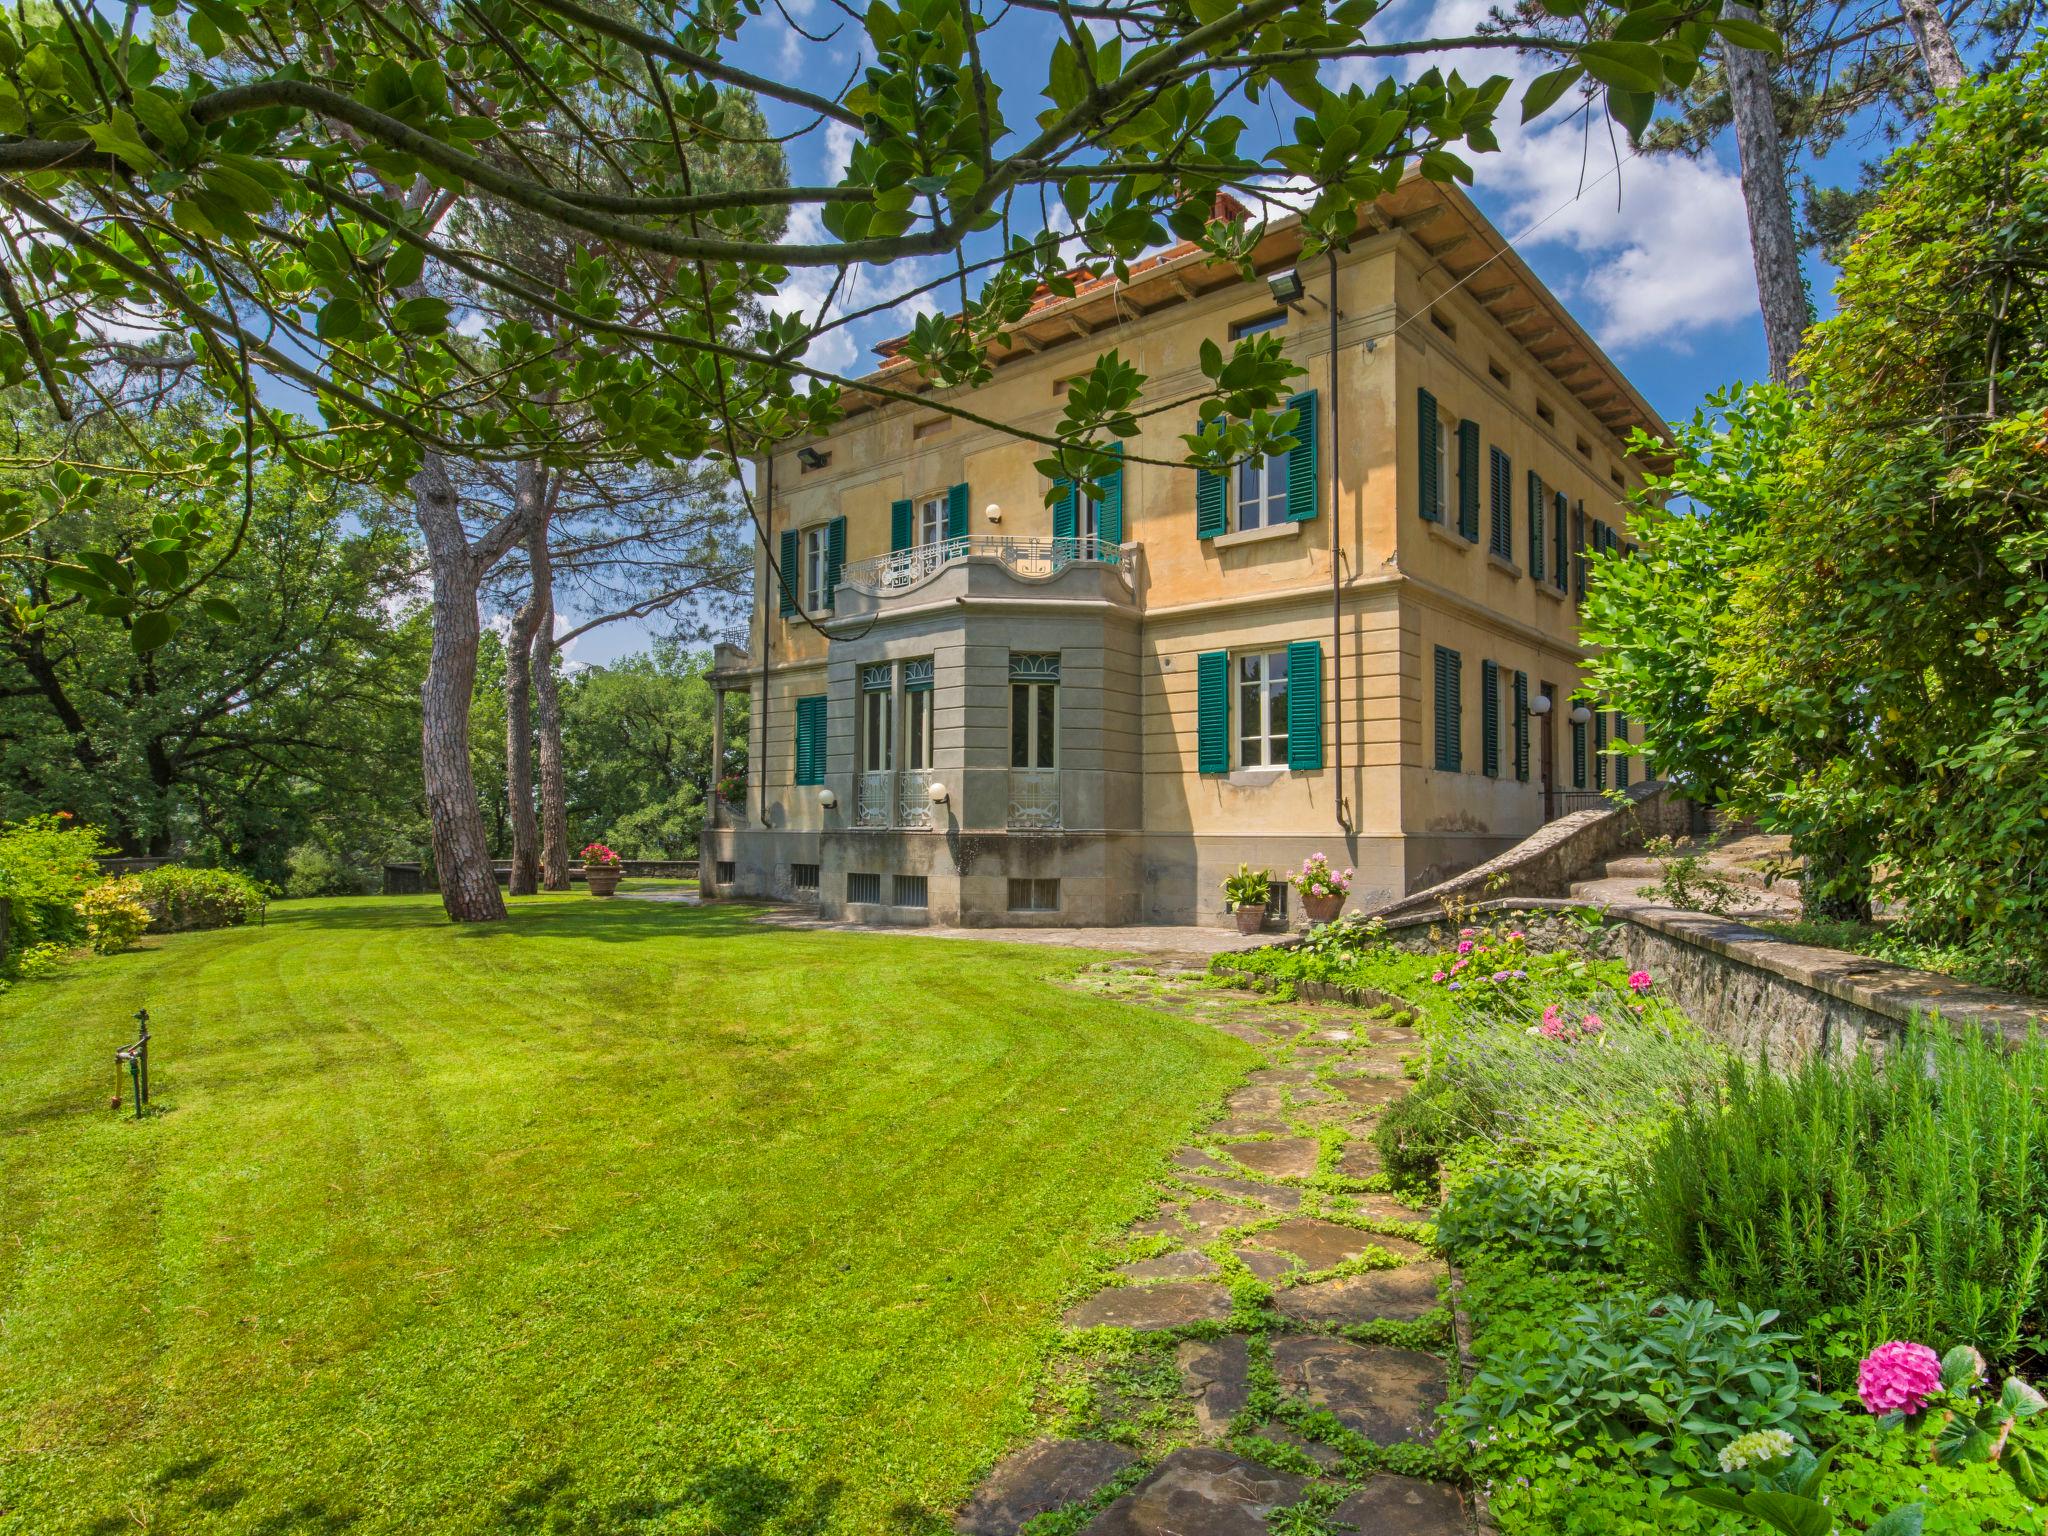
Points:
(717, 753)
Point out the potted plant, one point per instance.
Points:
(1248, 891)
(1322, 889)
(602, 867)
(732, 789)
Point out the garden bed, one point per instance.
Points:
(1690, 1280)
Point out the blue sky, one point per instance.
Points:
(1652, 256)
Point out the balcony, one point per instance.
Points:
(890, 799)
(988, 566)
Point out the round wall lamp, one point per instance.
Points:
(827, 799)
(938, 794)
(1581, 714)
(993, 512)
(1540, 705)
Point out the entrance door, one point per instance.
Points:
(1547, 752)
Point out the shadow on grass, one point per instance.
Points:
(735, 1500)
(571, 916)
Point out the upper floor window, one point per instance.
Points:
(1239, 329)
(931, 521)
(1262, 710)
(814, 567)
(1261, 492)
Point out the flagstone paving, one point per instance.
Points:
(1274, 1337)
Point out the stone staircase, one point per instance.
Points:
(1734, 873)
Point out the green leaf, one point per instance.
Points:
(1631, 109)
(1717, 1498)
(1624, 66)
(2019, 1399)
(1904, 1521)
(163, 117)
(72, 578)
(1790, 1513)
(1744, 33)
(1545, 89)
(220, 610)
(424, 316)
(341, 319)
(153, 630)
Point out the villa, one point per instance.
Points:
(970, 707)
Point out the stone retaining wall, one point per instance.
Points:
(412, 879)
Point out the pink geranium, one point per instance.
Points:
(1590, 1024)
(1441, 976)
(1898, 1377)
(1639, 981)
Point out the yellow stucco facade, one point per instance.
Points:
(938, 792)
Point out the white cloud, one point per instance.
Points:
(1668, 260)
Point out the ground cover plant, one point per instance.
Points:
(625, 1216)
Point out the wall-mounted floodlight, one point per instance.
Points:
(812, 458)
(1286, 287)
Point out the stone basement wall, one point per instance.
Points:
(1547, 861)
(1762, 996)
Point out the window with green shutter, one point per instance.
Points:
(1109, 515)
(902, 527)
(1599, 749)
(1489, 719)
(956, 511)
(1538, 530)
(1305, 705)
(1501, 536)
(1560, 553)
(1578, 754)
(1212, 712)
(1468, 480)
(1449, 712)
(1428, 450)
(1302, 481)
(835, 557)
(1620, 740)
(1522, 726)
(1579, 551)
(1212, 505)
(1064, 519)
(785, 575)
(810, 739)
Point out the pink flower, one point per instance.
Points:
(1639, 981)
(1464, 946)
(1515, 937)
(1466, 933)
(1459, 965)
(1590, 1023)
(1441, 976)
(1898, 1377)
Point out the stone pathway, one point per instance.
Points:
(1273, 1340)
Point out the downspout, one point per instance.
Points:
(1336, 570)
(767, 561)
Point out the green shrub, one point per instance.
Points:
(312, 869)
(1669, 1381)
(1902, 1198)
(113, 914)
(181, 899)
(46, 864)
(1563, 1215)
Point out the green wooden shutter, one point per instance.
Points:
(956, 511)
(1301, 460)
(1210, 505)
(1426, 428)
(1501, 535)
(810, 739)
(1489, 719)
(1449, 711)
(1109, 517)
(1063, 523)
(786, 575)
(1304, 705)
(1579, 552)
(1212, 712)
(835, 558)
(1578, 754)
(1468, 480)
(1536, 520)
(902, 527)
(1560, 550)
(1522, 726)
(1621, 740)
(1599, 749)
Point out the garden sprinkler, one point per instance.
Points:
(136, 1059)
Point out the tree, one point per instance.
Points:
(277, 212)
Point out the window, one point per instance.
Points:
(1560, 542)
(1537, 534)
(1468, 480)
(1443, 325)
(1621, 740)
(1585, 448)
(1449, 710)
(1489, 719)
(1239, 329)
(1429, 454)
(1545, 414)
(724, 872)
(1087, 515)
(1498, 374)
(810, 739)
(1034, 895)
(815, 550)
(1599, 749)
(864, 889)
(910, 891)
(1034, 711)
(930, 428)
(877, 719)
(1501, 537)
(803, 877)
(1276, 902)
(1521, 708)
(931, 521)
(1261, 499)
(1262, 710)
(917, 715)
(1615, 475)
(1578, 754)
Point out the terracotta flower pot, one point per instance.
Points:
(603, 878)
(1323, 909)
(1250, 919)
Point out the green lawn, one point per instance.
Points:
(623, 1217)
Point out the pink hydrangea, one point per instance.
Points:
(1515, 937)
(1898, 1377)
(1639, 981)
(1440, 976)
(1464, 946)
(1466, 933)
(1590, 1024)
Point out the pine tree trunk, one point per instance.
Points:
(462, 853)
(1936, 43)
(1773, 243)
(519, 748)
(554, 803)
